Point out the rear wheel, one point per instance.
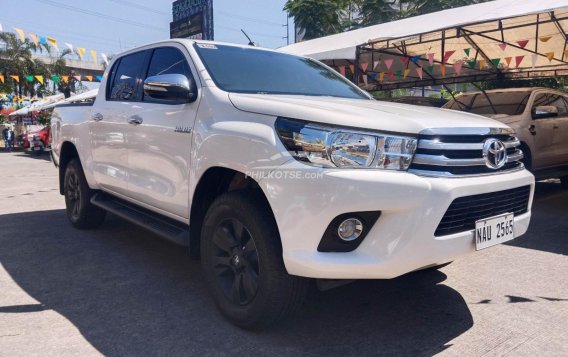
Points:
(80, 211)
(241, 256)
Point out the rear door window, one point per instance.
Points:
(127, 77)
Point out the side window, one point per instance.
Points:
(552, 99)
(127, 76)
(168, 60)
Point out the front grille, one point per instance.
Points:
(464, 211)
(462, 155)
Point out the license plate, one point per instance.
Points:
(494, 230)
(37, 148)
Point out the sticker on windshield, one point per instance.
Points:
(206, 45)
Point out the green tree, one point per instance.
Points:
(318, 18)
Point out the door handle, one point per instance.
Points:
(532, 129)
(555, 127)
(97, 117)
(135, 119)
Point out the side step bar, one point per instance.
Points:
(165, 227)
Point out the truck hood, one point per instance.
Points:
(367, 114)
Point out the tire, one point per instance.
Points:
(564, 182)
(81, 213)
(241, 256)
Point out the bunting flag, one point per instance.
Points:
(471, 64)
(53, 42)
(415, 59)
(30, 78)
(533, 60)
(94, 55)
(481, 63)
(105, 58)
(391, 75)
(81, 52)
(1, 76)
(89, 78)
(16, 78)
(388, 63)
(544, 38)
(467, 51)
(458, 67)
(365, 80)
(381, 76)
(69, 46)
(398, 74)
(495, 62)
(373, 76)
(341, 70)
(431, 59)
(33, 36)
(39, 79)
(364, 66)
(43, 40)
(55, 79)
(430, 69)
(405, 60)
(443, 70)
(20, 33)
(406, 72)
(518, 61)
(565, 54)
(77, 78)
(503, 46)
(375, 64)
(352, 68)
(508, 61)
(522, 43)
(419, 72)
(65, 79)
(447, 56)
(550, 56)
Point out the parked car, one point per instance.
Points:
(539, 117)
(277, 170)
(44, 137)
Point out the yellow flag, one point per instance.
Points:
(53, 42)
(544, 38)
(39, 79)
(94, 55)
(406, 72)
(565, 54)
(81, 52)
(16, 78)
(550, 56)
(65, 78)
(481, 63)
(443, 70)
(89, 78)
(2, 78)
(33, 36)
(20, 33)
(381, 76)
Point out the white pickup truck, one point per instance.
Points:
(273, 168)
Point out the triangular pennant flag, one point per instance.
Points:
(94, 55)
(544, 38)
(77, 78)
(404, 60)
(381, 76)
(373, 75)
(502, 46)
(20, 33)
(430, 69)
(81, 52)
(365, 80)
(89, 78)
(431, 59)
(458, 68)
(16, 78)
(341, 70)
(55, 78)
(534, 59)
(398, 73)
(565, 55)
(391, 75)
(518, 60)
(447, 55)
(53, 42)
(388, 63)
(471, 64)
(495, 62)
(467, 51)
(415, 59)
(69, 46)
(550, 56)
(419, 72)
(30, 78)
(406, 72)
(352, 68)
(522, 43)
(99, 78)
(481, 63)
(33, 36)
(364, 66)
(375, 64)
(65, 79)
(443, 70)
(105, 58)
(43, 40)
(2, 78)
(39, 79)
(508, 61)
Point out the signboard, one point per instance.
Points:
(192, 19)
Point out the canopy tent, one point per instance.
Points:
(22, 111)
(497, 39)
(41, 104)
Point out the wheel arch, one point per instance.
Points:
(68, 152)
(527, 159)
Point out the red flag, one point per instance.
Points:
(352, 68)
(522, 43)
(391, 74)
(447, 56)
(364, 66)
(518, 60)
(404, 60)
(502, 46)
(458, 67)
(419, 72)
(388, 63)
(342, 70)
(431, 58)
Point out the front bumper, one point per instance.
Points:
(401, 241)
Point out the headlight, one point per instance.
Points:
(328, 146)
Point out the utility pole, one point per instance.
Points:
(287, 31)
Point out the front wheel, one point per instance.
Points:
(80, 211)
(241, 256)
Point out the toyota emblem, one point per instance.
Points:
(494, 153)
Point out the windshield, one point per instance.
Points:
(249, 70)
(505, 103)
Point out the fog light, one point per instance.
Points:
(350, 229)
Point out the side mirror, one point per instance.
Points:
(544, 111)
(171, 87)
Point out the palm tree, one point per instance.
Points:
(317, 18)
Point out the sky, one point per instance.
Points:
(111, 26)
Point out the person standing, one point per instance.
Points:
(10, 140)
(5, 138)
